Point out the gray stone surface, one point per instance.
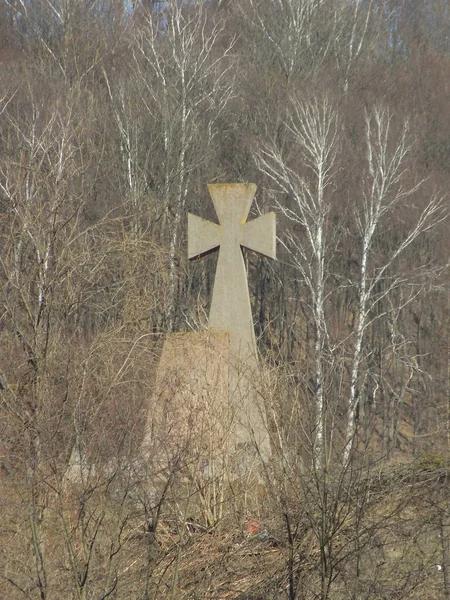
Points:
(230, 306)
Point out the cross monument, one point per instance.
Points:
(230, 306)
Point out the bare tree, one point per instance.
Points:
(184, 81)
(385, 189)
(313, 129)
(312, 241)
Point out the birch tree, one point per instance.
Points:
(306, 189)
(69, 405)
(313, 128)
(41, 185)
(306, 37)
(183, 68)
(386, 188)
(134, 152)
(287, 32)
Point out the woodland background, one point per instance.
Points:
(113, 117)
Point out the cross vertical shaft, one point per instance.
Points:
(230, 306)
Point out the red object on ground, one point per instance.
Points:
(253, 526)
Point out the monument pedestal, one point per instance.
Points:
(207, 405)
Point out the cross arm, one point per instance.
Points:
(203, 236)
(260, 235)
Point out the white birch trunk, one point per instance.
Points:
(314, 128)
(384, 191)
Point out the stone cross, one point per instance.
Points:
(230, 306)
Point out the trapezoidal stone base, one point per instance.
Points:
(206, 409)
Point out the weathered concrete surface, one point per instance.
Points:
(230, 306)
(191, 416)
(200, 409)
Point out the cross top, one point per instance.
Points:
(230, 305)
